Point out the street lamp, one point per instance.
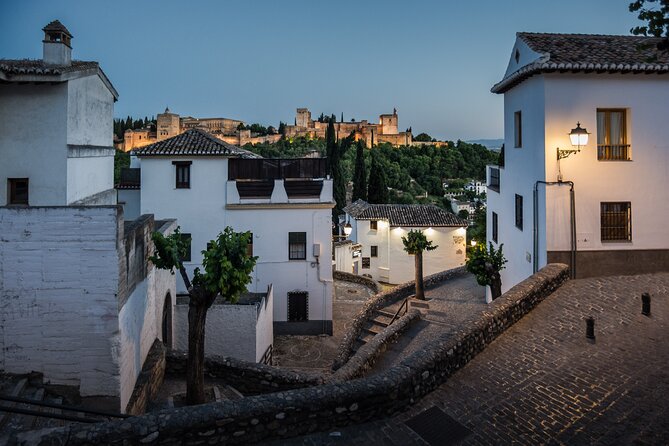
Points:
(473, 242)
(348, 229)
(578, 137)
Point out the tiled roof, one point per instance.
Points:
(404, 214)
(30, 66)
(56, 26)
(588, 53)
(193, 142)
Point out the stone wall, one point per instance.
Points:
(381, 300)
(149, 380)
(360, 280)
(297, 412)
(249, 378)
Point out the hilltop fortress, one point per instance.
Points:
(170, 124)
(384, 131)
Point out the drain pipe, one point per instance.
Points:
(572, 212)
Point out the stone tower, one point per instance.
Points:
(389, 123)
(57, 44)
(303, 118)
(167, 125)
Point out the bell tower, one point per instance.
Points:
(57, 44)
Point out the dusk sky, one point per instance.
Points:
(435, 61)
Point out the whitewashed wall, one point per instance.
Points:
(40, 155)
(59, 272)
(90, 109)
(130, 200)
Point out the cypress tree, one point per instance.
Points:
(360, 174)
(377, 191)
(331, 147)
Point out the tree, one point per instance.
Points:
(486, 264)
(415, 243)
(360, 174)
(422, 137)
(377, 190)
(227, 271)
(282, 127)
(463, 214)
(657, 18)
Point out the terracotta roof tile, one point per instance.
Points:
(588, 53)
(405, 214)
(193, 142)
(56, 26)
(31, 66)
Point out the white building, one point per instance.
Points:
(616, 87)
(478, 187)
(79, 300)
(208, 184)
(379, 228)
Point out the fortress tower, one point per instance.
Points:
(389, 123)
(167, 125)
(303, 118)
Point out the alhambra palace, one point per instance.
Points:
(171, 124)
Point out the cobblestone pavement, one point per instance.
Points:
(453, 305)
(543, 382)
(316, 353)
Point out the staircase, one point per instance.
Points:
(381, 318)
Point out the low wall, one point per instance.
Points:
(297, 412)
(249, 378)
(149, 380)
(381, 300)
(353, 278)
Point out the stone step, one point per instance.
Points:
(385, 312)
(381, 321)
(371, 330)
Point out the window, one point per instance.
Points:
(17, 189)
(249, 246)
(365, 263)
(616, 222)
(373, 225)
(519, 212)
(374, 251)
(517, 129)
(494, 227)
(297, 245)
(182, 174)
(612, 135)
(187, 240)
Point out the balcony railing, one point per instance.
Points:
(615, 152)
(494, 179)
(276, 169)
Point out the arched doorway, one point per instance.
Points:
(167, 321)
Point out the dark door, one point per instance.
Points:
(167, 321)
(298, 306)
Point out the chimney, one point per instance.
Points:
(57, 44)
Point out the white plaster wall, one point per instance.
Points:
(270, 228)
(40, 155)
(523, 167)
(265, 325)
(199, 210)
(230, 330)
(378, 266)
(90, 110)
(344, 258)
(58, 295)
(88, 176)
(643, 181)
(449, 254)
(130, 200)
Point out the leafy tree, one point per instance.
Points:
(121, 160)
(360, 175)
(464, 214)
(377, 191)
(282, 128)
(657, 20)
(227, 271)
(486, 264)
(477, 230)
(414, 244)
(423, 137)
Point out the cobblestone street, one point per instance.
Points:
(543, 382)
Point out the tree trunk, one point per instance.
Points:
(419, 276)
(197, 317)
(495, 285)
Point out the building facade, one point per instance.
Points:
(379, 229)
(601, 207)
(286, 204)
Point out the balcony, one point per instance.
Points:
(614, 152)
(493, 178)
(276, 181)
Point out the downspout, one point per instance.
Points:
(318, 269)
(572, 215)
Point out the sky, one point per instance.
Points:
(435, 61)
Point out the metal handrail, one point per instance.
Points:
(267, 356)
(16, 399)
(405, 305)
